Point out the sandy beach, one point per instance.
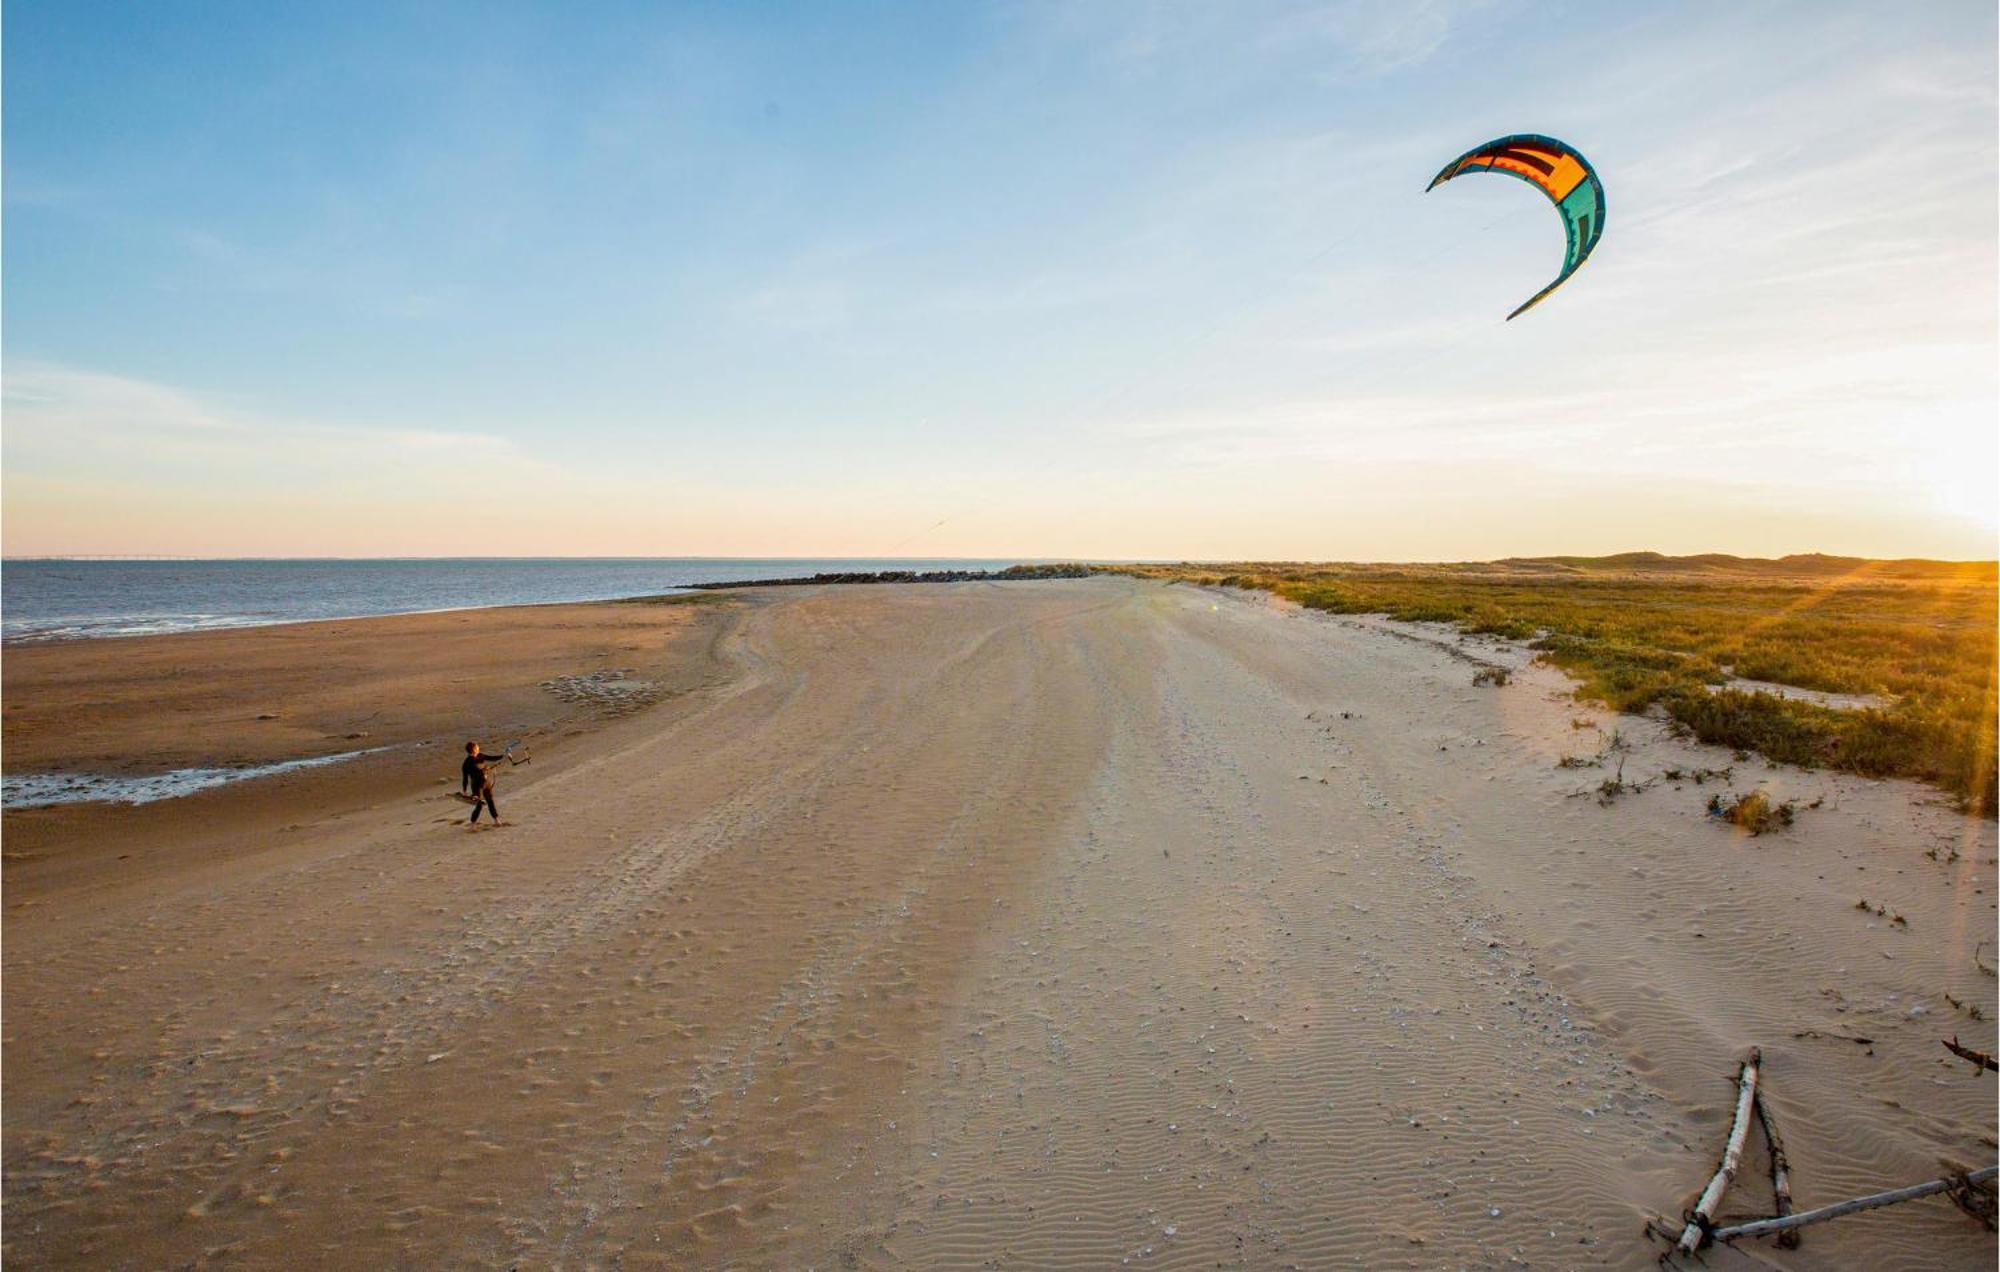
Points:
(1056, 924)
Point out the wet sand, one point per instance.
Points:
(1042, 924)
(407, 690)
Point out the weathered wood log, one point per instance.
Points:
(1979, 1058)
(1981, 1201)
(1781, 1171)
(1766, 1227)
(1702, 1219)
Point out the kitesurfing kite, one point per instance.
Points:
(1559, 172)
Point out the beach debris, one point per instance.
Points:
(1978, 1198)
(612, 690)
(1701, 1220)
(1781, 1173)
(1972, 1190)
(1979, 1058)
(1697, 775)
(1973, 1010)
(1612, 787)
(1963, 1182)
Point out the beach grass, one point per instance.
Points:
(1644, 633)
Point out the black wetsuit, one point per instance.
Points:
(473, 779)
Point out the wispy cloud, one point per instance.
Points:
(99, 459)
(1339, 37)
(1380, 37)
(96, 462)
(71, 420)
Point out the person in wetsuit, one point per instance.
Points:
(476, 781)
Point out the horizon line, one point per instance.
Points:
(1029, 560)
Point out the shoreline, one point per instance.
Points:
(283, 692)
(135, 624)
(1015, 573)
(138, 766)
(47, 790)
(248, 624)
(388, 699)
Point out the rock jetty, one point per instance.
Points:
(1012, 573)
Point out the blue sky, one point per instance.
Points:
(1092, 279)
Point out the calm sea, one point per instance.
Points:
(68, 600)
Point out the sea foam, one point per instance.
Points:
(35, 790)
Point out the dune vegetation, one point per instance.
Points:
(1643, 632)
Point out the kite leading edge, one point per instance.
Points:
(1557, 170)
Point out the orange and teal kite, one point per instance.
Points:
(1557, 170)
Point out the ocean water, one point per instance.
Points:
(36, 790)
(57, 599)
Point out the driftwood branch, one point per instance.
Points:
(1702, 1219)
(1766, 1227)
(1781, 1171)
(1981, 1201)
(1979, 1058)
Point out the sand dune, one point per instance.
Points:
(1043, 925)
